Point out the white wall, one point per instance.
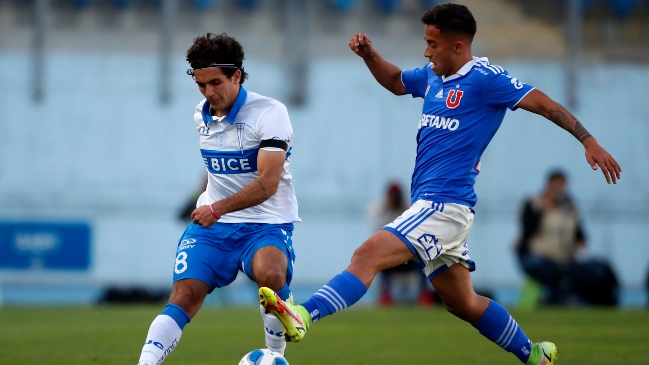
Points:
(101, 148)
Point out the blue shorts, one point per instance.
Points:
(215, 255)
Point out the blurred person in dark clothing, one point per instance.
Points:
(185, 212)
(646, 283)
(552, 237)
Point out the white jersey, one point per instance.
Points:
(230, 145)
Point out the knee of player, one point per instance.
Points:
(460, 306)
(272, 278)
(457, 309)
(365, 256)
(187, 298)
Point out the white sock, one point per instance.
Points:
(273, 331)
(162, 338)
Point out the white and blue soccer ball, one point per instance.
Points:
(263, 357)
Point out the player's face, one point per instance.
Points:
(441, 50)
(557, 184)
(219, 90)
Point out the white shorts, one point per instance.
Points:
(436, 233)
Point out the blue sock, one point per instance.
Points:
(177, 314)
(498, 326)
(284, 293)
(341, 292)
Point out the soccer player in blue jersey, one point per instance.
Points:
(465, 99)
(244, 219)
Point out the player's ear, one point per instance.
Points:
(459, 46)
(237, 76)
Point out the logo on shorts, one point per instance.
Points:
(430, 243)
(186, 244)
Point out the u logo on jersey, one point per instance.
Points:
(453, 98)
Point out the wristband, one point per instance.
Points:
(214, 213)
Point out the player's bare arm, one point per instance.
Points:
(387, 74)
(539, 103)
(270, 165)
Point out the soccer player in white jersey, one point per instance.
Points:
(244, 219)
(465, 99)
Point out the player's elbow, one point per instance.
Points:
(272, 190)
(270, 187)
(393, 84)
(398, 92)
(397, 88)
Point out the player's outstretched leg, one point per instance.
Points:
(341, 292)
(499, 326)
(492, 320)
(164, 334)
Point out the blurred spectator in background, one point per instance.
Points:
(185, 213)
(552, 236)
(382, 213)
(646, 283)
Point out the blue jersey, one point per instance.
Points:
(460, 116)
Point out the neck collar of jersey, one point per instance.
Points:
(465, 69)
(238, 103)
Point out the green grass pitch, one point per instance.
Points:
(111, 335)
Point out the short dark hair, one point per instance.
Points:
(451, 18)
(211, 48)
(557, 173)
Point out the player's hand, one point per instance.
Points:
(596, 156)
(361, 45)
(203, 216)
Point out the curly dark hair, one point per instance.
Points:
(451, 19)
(211, 48)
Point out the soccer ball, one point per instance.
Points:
(263, 357)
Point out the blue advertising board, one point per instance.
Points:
(44, 245)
